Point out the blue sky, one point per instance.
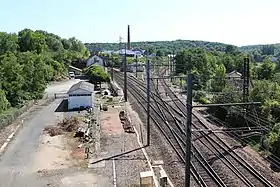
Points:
(238, 22)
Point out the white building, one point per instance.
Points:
(81, 95)
(95, 60)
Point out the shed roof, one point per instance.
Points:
(82, 85)
(234, 74)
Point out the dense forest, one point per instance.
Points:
(166, 47)
(31, 59)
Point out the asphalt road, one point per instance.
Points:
(16, 164)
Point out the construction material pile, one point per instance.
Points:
(127, 126)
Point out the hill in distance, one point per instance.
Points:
(167, 47)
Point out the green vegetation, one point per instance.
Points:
(160, 48)
(96, 74)
(261, 52)
(31, 59)
(211, 85)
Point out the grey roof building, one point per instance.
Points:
(83, 86)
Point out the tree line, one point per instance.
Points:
(31, 59)
(160, 48)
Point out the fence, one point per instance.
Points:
(60, 95)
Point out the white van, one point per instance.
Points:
(72, 75)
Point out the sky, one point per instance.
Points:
(237, 22)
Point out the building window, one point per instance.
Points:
(72, 95)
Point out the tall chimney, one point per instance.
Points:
(128, 37)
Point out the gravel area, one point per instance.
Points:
(114, 141)
(251, 156)
(159, 148)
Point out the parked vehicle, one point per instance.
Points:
(72, 75)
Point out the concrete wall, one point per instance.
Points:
(78, 101)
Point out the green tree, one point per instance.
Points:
(96, 74)
(218, 81)
(159, 53)
(267, 70)
(274, 139)
(230, 49)
(8, 42)
(31, 41)
(4, 103)
(12, 78)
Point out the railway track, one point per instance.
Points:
(202, 172)
(173, 132)
(218, 149)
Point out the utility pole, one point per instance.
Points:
(188, 122)
(112, 70)
(157, 70)
(148, 101)
(188, 130)
(246, 80)
(125, 76)
(136, 65)
(128, 37)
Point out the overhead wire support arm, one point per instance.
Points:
(227, 104)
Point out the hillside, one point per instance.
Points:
(257, 52)
(165, 46)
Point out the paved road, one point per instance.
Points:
(61, 87)
(16, 165)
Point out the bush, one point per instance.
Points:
(274, 140)
(96, 74)
(203, 100)
(198, 95)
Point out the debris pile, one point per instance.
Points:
(69, 124)
(127, 126)
(53, 130)
(66, 125)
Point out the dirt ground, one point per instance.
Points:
(61, 153)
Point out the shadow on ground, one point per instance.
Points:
(81, 77)
(63, 106)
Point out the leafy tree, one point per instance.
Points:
(29, 60)
(4, 103)
(54, 43)
(66, 44)
(159, 53)
(267, 70)
(218, 81)
(274, 139)
(8, 42)
(97, 74)
(230, 49)
(13, 79)
(32, 41)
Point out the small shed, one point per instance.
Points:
(234, 75)
(81, 95)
